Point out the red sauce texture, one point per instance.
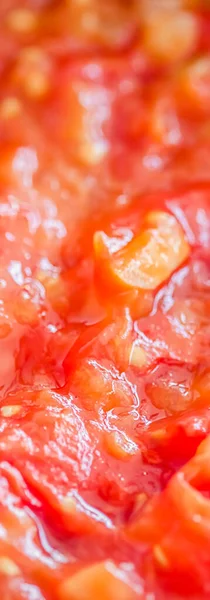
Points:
(104, 299)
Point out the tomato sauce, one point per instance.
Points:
(104, 299)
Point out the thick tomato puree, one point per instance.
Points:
(104, 299)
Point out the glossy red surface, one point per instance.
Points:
(104, 300)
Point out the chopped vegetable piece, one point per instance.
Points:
(150, 258)
(103, 580)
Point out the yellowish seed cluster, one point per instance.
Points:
(22, 20)
(160, 556)
(8, 567)
(10, 410)
(10, 108)
(137, 357)
(32, 72)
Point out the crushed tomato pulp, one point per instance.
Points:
(104, 299)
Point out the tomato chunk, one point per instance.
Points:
(103, 579)
(150, 258)
(104, 300)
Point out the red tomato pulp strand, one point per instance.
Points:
(104, 300)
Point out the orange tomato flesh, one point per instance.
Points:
(150, 258)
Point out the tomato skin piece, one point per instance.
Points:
(23, 566)
(150, 258)
(180, 519)
(177, 438)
